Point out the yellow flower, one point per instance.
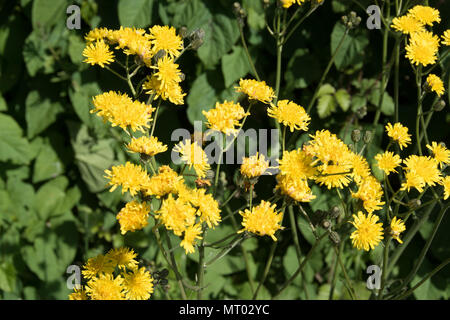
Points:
(440, 153)
(262, 220)
(130, 176)
(254, 166)
(397, 227)
(97, 34)
(290, 114)
(435, 83)
(133, 216)
(297, 164)
(446, 38)
(426, 15)
(145, 145)
(165, 182)
(288, 3)
(256, 90)
(388, 161)
(105, 287)
(165, 38)
(78, 294)
(208, 207)
(360, 167)
(421, 171)
(123, 258)
(333, 176)
(98, 53)
(191, 234)
(167, 73)
(446, 183)
(97, 265)
(422, 48)
(368, 233)
(138, 284)
(176, 215)
(329, 149)
(171, 91)
(193, 155)
(295, 188)
(407, 24)
(399, 134)
(225, 117)
(370, 192)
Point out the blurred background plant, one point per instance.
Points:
(55, 209)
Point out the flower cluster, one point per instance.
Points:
(114, 276)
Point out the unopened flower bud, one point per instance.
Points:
(414, 203)
(182, 76)
(326, 224)
(161, 53)
(439, 106)
(334, 237)
(183, 32)
(367, 137)
(362, 112)
(356, 135)
(196, 38)
(335, 212)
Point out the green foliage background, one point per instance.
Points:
(54, 208)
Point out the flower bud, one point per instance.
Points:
(326, 224)
(161, 53)
(362, 112)
(334, 237)
(367, 137)
(335, 212)
(197, 38)
(183, 32)
(414, 203)
(439, 106)
(356, 135)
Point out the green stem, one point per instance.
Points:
(347, 279)
(266, 269)
(249, 57)
(419, 107)
(155, 118)
(385, 265)
(201, 266)
(335, 271)
(177, 272)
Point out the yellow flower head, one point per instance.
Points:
(397, 227)
(333, 176)
(165, 38)
(297, 164)
(421, 171)
(388, 161)
(167, 72)
(105, 287)
(368, 233)
(145, 145)
(399, 134)
(329, 149)
(123, 257)
(440, 153)
(370, 192)
(165, 182)
(78, 294)
(225, 117)
(295, 188)
(191, 234)
(193, 155)
(360, 167)
(446, 38)
(98, 53)
(422, 48)
(138, 284)
(134, 216)
(130, 176)
(290, 114)
(97, 34)
(98, 265)
(435, 84)
(407, 24)
(176, 215)
(256, 90)
(208, 207)
(254, 166)
(171, 91)
(288, 3)
(426, 15)
(446, 183)
(262, 220)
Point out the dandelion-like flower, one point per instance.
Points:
(98, 265)
(440, 153)
(78, 294)
(105, 287)
(435, 84)
(446, 183)
(138, 284)
(407, 24)
(397, 227)
(208, 207)
(446, 38)
(134, 216)
(191, 234)
(193, 155)
(166, 181)
(295, 188)
(422, 48)
(399, 134)
(388, 161)
(256, 90)
(368, 233)
(254, 166)
(98, 53)
(297, 164)
(262, 220)
(425, 14)
(225, 117)
(122, 257)
(176, 214)
(97, 34)
(420, 171)
(167, 73)
(165, 38)
(360, 167)
(370, 192)
(130, 176)
(171, 91)
(145, 145)
(290, 114)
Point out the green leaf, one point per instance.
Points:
(48, 164)
(326, 89)
(326, 105)
(387, 106)
(137, 13)
(3, 105)
(7, 276)
(48, 198)
(202, 96)
(192, 14)
(302, 69)
(235, 65)
(46, 13)
(41, 259)
(255, 14)
(343, 99)
(76, 47)
(220, 35)
(351, 53)
(40, 113)
(13, 147)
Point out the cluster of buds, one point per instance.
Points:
(351, 20)
(356, 136)
(239, 12)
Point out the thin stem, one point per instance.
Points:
(249, 57)
(229, 198)
(419, 107)
(155, 118)
(174, 264)
(347, 279)
(117, 74)
(385, 265)
(201, 266)
(266, 269)
(335, 272)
